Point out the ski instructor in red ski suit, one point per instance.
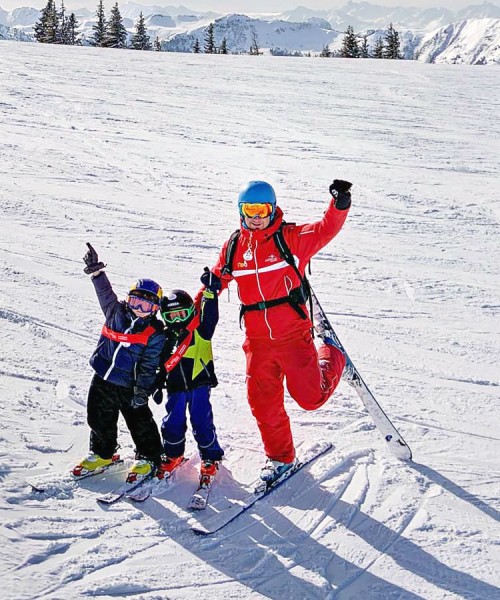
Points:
(279, 342)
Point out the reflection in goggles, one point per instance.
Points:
(256, 210)
(177, 316)
(145, 306)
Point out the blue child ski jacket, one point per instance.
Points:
(131, 365)
(196, 367)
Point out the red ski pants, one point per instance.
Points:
(311, 377)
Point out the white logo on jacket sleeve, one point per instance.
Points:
(271, 259)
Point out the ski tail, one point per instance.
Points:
(351, 375)
(208, 471)
(123, 490)
(154, 485)
(48, 484)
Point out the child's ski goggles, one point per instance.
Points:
(253, 211)
(145, 306)
(179, 315)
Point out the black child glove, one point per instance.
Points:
(339, 190)
(92, 261)
(158, 396)
(139, 400)
(211, 281)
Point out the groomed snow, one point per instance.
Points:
(143, 154)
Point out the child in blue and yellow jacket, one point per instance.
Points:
(187, 372)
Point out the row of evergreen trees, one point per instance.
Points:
(54, 27)
(111, 33)
(209, 46)
(353, 47)
(209, 43)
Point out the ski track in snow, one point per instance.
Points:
(143, 154)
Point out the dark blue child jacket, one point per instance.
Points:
(128, 365)
(196, 368)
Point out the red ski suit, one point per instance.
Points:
(279, 342)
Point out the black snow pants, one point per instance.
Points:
(105, 402)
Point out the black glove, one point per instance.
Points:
(211, 281)
(339, 190)
(139, 399)
(158, 396)
(92, 261)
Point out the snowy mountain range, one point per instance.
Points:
(475, 41)
(470, 35)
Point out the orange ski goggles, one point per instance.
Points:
(252, 211)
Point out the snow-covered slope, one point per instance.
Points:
(143, 155)
(473, 42)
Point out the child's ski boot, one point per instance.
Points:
(167, 465)
(141, 469)
(93, 463)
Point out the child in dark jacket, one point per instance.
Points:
(187, 371)
(125, 363)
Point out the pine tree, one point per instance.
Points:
(364, 52)
(392, 44)
(46, 29)
(157, 44)
(210, 40)
(99, 28)
(254, 48)
(140, 39)
(223, 47)
(378, 48)
(116, 34)
(72, 36)
(61, 35)
(349, 47)
(326, 52)
(196, 47)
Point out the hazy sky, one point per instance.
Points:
(247, 5)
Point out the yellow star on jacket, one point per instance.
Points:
(201, 352)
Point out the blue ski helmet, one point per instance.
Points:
(148, 289)
(257, 192)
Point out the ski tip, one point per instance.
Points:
(319, 448)
(37, 489)
(200, 530)
(108, 500)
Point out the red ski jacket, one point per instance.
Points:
(262, 274)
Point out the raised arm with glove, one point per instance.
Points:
(339, 190)
(94, 265)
